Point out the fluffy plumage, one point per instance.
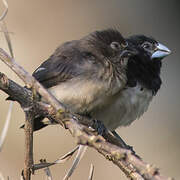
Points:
(103, 75)
(145, 71)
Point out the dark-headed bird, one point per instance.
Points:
(104, 76)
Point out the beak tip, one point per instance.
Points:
(161, 52)
(170, 52)
(167, 50)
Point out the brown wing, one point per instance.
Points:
(65, 64)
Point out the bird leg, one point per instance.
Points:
(124, 145)
(99, 127)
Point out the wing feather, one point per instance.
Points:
(63, 66)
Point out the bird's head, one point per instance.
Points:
(145, 67)
(155, 49)
(141, 56)
(111, 45)
(108, 43)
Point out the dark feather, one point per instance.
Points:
(101, 41)
(108, 36)
(38, 124)
(140, 39)
(66, 64)
(9, 98)
(142, 69)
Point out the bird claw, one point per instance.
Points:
(99, 127)
(130, 148)
(124, 145)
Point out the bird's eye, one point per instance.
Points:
(115, 45)
(146, 45)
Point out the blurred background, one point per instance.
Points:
(40, 26)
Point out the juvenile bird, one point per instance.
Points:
(104, 76)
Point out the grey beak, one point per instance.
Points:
(161, 51)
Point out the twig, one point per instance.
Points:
(7, 37)
(47, 171)
(133, 167)
(61, 160)
(5, 11)
(28, 144)
(31, 82)
(91, 172)
(82, 149)
(9, 32)
(23, 94)
(6, 126)
(5, 31)
(29, 115)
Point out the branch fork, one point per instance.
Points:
(108, 145)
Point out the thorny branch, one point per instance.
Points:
(28, 163)
(91, 172)
(133, 167)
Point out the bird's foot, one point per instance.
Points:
(99, 127)
(124, 145)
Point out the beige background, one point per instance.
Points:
(39, 26)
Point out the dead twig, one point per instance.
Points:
(47, 171)
(63, 159)
(132, 166)
(91, 172)
(82, 149)
(28, 164)
(5, 11)
(5, 31)
(6, 126)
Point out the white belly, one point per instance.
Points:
(83, 96)
(127, 106)
(86, 97)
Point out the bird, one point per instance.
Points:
(104, 76)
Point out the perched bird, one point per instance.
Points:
(104, 76)
(143, 82)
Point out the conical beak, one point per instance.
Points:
(161, 51)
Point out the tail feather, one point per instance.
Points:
(38, 123)
(9, 98)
